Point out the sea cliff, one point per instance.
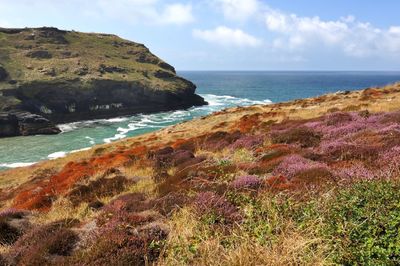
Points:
(50, 76)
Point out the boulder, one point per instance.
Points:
(3, 74)
(24, 123)
(40, 54)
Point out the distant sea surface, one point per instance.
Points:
(220, 89)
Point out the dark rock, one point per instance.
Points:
(24, 123)
(3, 74)
(49, 72)
(8, 125)
(40, 54)
(163, 74)
(145, 58)
(167, 67)
(11, 30)
(52, 35)
(24, 46)
(110, 69)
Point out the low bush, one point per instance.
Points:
(303, 136)
(362, 224)
(246, 182)
(293, 165)
(44, 243)
(216, 209)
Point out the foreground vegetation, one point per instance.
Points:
(319, 190)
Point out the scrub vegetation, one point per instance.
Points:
(261, 187)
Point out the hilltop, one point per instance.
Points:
(308, 182)
(49, 76)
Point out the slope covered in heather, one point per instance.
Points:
(313, 181)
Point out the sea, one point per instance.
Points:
(221, 89)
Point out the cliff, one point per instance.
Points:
(50, 76)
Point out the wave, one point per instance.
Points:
(109, 130)
(56, 155)
(15, 165)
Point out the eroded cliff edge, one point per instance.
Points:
(50, 76)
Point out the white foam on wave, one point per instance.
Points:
(87, 123)
(226, 100)
(116, 119)
(55, 155)
(91, 140)
(78, 150)
(16, 165)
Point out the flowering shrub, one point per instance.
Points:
(217, 208)
(246, 182)
(247, 142)
(295, 164)
(304, 136)
(356, 170)
(38, 245)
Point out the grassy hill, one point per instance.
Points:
(70, 76)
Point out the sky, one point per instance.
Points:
(234, 34)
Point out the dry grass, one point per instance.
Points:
(193, 243)
(63, 209)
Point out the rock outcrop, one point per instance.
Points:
(24, 124)
(50, 76)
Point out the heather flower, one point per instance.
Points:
(246, 182)
(338, 118)
(356, 170)
(247, 142)
(209, 203)
(303, 136)
(12, 213)
(295, 164)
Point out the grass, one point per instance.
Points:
(355, 225)
(88, 50)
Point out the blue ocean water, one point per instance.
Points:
(221, 89)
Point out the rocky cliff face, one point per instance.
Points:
(49, 76)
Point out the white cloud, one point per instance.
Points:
(227, 37)
(352, 37)
(238, 9)
(146, 11)
(177, 14)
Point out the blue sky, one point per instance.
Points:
(234, 34)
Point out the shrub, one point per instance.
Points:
(295, 164)
(344, 150)
(216, 209)
(354, 171)
(123, 245)
(38, 246)
(247, 142)
(362, 224)
(304, 136)
(338, 118)
(10, 232)
(98, 188)
(246, 182)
